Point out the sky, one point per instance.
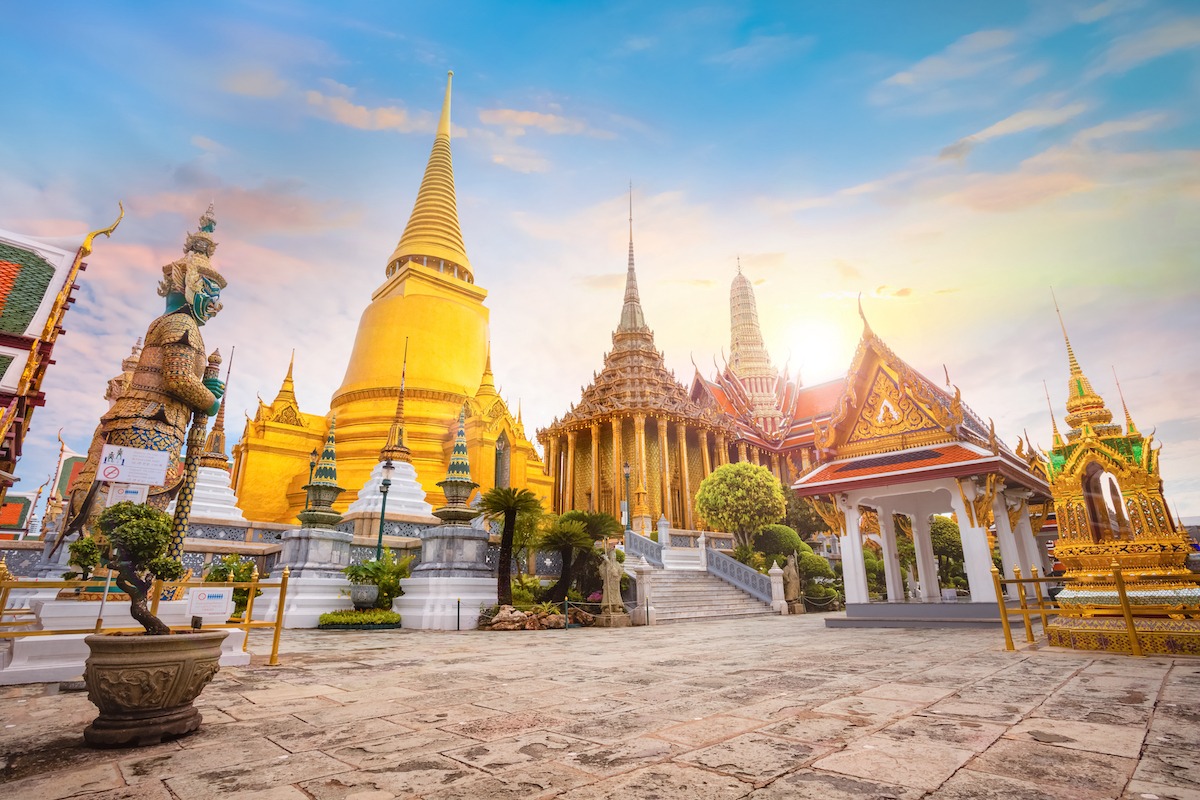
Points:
(951, 162)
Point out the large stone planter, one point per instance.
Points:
(364, 595)
(144, 685)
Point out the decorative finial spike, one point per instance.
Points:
(1071, 360)
(1053, 423)
(1130, 428)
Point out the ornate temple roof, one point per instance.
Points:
(634, 378)
(1084, 406)
(433, 231)
(748, 355)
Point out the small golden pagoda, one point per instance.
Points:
(429, 298)
(1109, 503)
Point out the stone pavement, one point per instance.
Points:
(765, 708)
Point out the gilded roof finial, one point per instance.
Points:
(395, 448)
(1130, 428)
(1071, 360)
(866, 325)
(632, 318)
(1058, 442)
(287, 390)
(739, 265)
(214, 445)
(1085, 408)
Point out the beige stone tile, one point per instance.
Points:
(1170, 766)
(917, 764)
(330, 737)
(504, 725)
(417, 776)
(254, 776)
(1168, 729)
(967, 784)
(807, 784)
(148, 790)
(963, 734)
(607, 760)
(421, 719)
(288, 692)
(176, 762)
(1085, 708)
(391, 749)
(782, 706)
(614, 728)
(663, 781)
(705, 731)
(909, 692)
(755, 757)
(869, 708)
(331, 715)
(1057, 767)
(1117, 740)
(1144, 790)
(505, 754)
(65, 783)
(250, 711)
(953, 708)
(534, 782)
(822, 728)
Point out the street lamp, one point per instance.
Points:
(384, 485)
(628, 500)
(312, 465)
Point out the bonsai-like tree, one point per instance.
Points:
(947, 546)
(134, 547)
(506, 503)
(741, 499)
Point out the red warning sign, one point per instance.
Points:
(111, 472)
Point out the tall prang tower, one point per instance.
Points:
(429, 298)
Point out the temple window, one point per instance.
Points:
(1105, 505)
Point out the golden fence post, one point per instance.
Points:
(1037, 593)
(1024, 605)
(1008, 642)
(1135, 646)
(156, 589)
(246, 615)
(283, 582)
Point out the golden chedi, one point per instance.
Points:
(1109, 504)
(430, 300)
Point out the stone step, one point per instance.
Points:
(712, 606)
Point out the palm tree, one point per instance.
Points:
(599, 527)
(506, 504)
(566, 536)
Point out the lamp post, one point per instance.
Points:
(628, 500)
(384, 485)
(312, 465)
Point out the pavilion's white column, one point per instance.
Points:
(891, 559)
(1033, 548)
(1010, 553)
(977, 557)
(927, 572)
(854, 567)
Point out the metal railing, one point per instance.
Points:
(14, 620)
(732, 571)
(1034, 604)
(638, 545)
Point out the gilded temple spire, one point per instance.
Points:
(214, 445)
(748, 355)
(1058, 440)
(1084, 406)
(433, 236)
(460, 464)
(395, 448)
(632, 319)
(287, 390)
(487, 385)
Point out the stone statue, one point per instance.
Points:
(611, 571)
(168, 385)
(791, 579)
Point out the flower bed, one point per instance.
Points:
(373, 619)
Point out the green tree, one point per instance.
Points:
(779, 540)
(741, 499)
(137, 540)
(568, 537)
(800, 516)
(530, 526)
(506, 504)
(947, 546)
(599, 526)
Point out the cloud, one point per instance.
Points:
(965, 58)
(1030, 118)
(505, 151)
(636, 44)
(275, 206)
(763, 50)
(847, 271)
(516, 122)
(254, 82)
(608, 281)
(1134, 124)
(340, 109)
(209, 145)
(1127, 52)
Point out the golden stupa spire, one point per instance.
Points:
(287, 391)
(487, 385)
(214, 444)
(395, 448)
(433, 236)
(1130, 428)
(1084, 406)
(747, 354)
(632, 318)
(1058, 441)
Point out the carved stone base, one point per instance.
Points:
(144, 686)
(795, 606)
(611, 620)
(1109, 634)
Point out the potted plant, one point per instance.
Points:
(376, 583)
(231, 569)
(144, 684)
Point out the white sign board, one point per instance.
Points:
(133, 465)
(133, 492)
(216, 603)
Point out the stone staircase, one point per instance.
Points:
(680, 595)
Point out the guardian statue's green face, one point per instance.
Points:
(192, 287)
(206, 300)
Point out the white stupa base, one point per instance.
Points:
(60, 657)
(443, 604)
(307, 599)
(405, 495)
(214, 499)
